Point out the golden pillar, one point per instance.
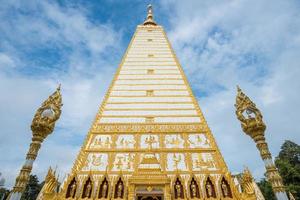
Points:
(42, 125)
(253, 125)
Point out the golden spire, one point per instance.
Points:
(149, 20)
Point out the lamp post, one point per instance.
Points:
(42, 125)
(253, 125)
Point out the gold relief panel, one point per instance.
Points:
(204, 161)
(149, 141)
(149, 158)
(123, 162)
(198, 140)
(96, 162)
(125, 141)
(174, 141)
(176, 161)
(100, 141)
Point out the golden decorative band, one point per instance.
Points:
(157, 128)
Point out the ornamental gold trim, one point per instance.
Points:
(148, 128)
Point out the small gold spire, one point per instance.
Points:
(149, 20)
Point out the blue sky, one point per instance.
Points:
(79, 44)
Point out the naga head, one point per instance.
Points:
(45, 117)
(249, 115)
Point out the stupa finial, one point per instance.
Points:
(149, 20)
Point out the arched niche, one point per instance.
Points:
(71, 189)
(225, 188)
(103, 189)
(194, 189)
(87, 188)
(150, 198)
(119, 189)
(210, 189)
(178, 189)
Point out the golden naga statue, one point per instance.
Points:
(42, 125)
(45, 117)
(252, 124)
(249, 115)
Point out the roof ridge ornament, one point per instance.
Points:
(149, 20)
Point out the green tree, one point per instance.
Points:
(288, 164)
(266, 189)
(4, 193)
(32, 189)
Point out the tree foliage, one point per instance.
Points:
(32, 189)
(4, 193)
(266, 189)
(288, 164)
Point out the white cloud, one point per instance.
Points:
(83, 73)
(6, 61)
(251, 43)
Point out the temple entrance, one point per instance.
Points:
(149, 193)
(150, 197)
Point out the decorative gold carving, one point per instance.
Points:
(247, 182)
(144, 128)
(198, 140)
(249, 116)
(96, 160)
(33, 149)
(204, 161)
(45, 117)
(119, 163)
(252, 124)
(150, 140)
(174, 141)
(51, 183)
(125, 141)
(43, 124)
(176, 159)
(124, 161)
(102, 141)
